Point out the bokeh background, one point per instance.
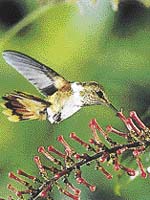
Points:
(83, 41)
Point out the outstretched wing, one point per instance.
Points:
(42, 77)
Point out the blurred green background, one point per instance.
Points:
(83, 41)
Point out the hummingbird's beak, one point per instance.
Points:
(113, 108)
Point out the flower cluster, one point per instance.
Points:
(137, 139)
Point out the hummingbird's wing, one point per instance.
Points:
(42, 77)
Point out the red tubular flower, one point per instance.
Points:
(69, 151)
(116, 164)
(125, 121)
(137, 139)
(143, 173)
(134, 116)
(12, 176)
(54, 150)
(129, 171)
(133, 126)
(77, 139)
(39, 165)
(105, 172)
(67, 193)
(110, 129)
(74, 189)
(93, 125)
(48, 155)
(21, 172)
(96, 127)
(81, 180)
(15, 191)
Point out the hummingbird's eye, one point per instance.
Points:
(100, 94)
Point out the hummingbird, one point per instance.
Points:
(62, 97)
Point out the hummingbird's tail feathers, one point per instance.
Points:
(21, 106)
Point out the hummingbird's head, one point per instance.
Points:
(94, 95)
